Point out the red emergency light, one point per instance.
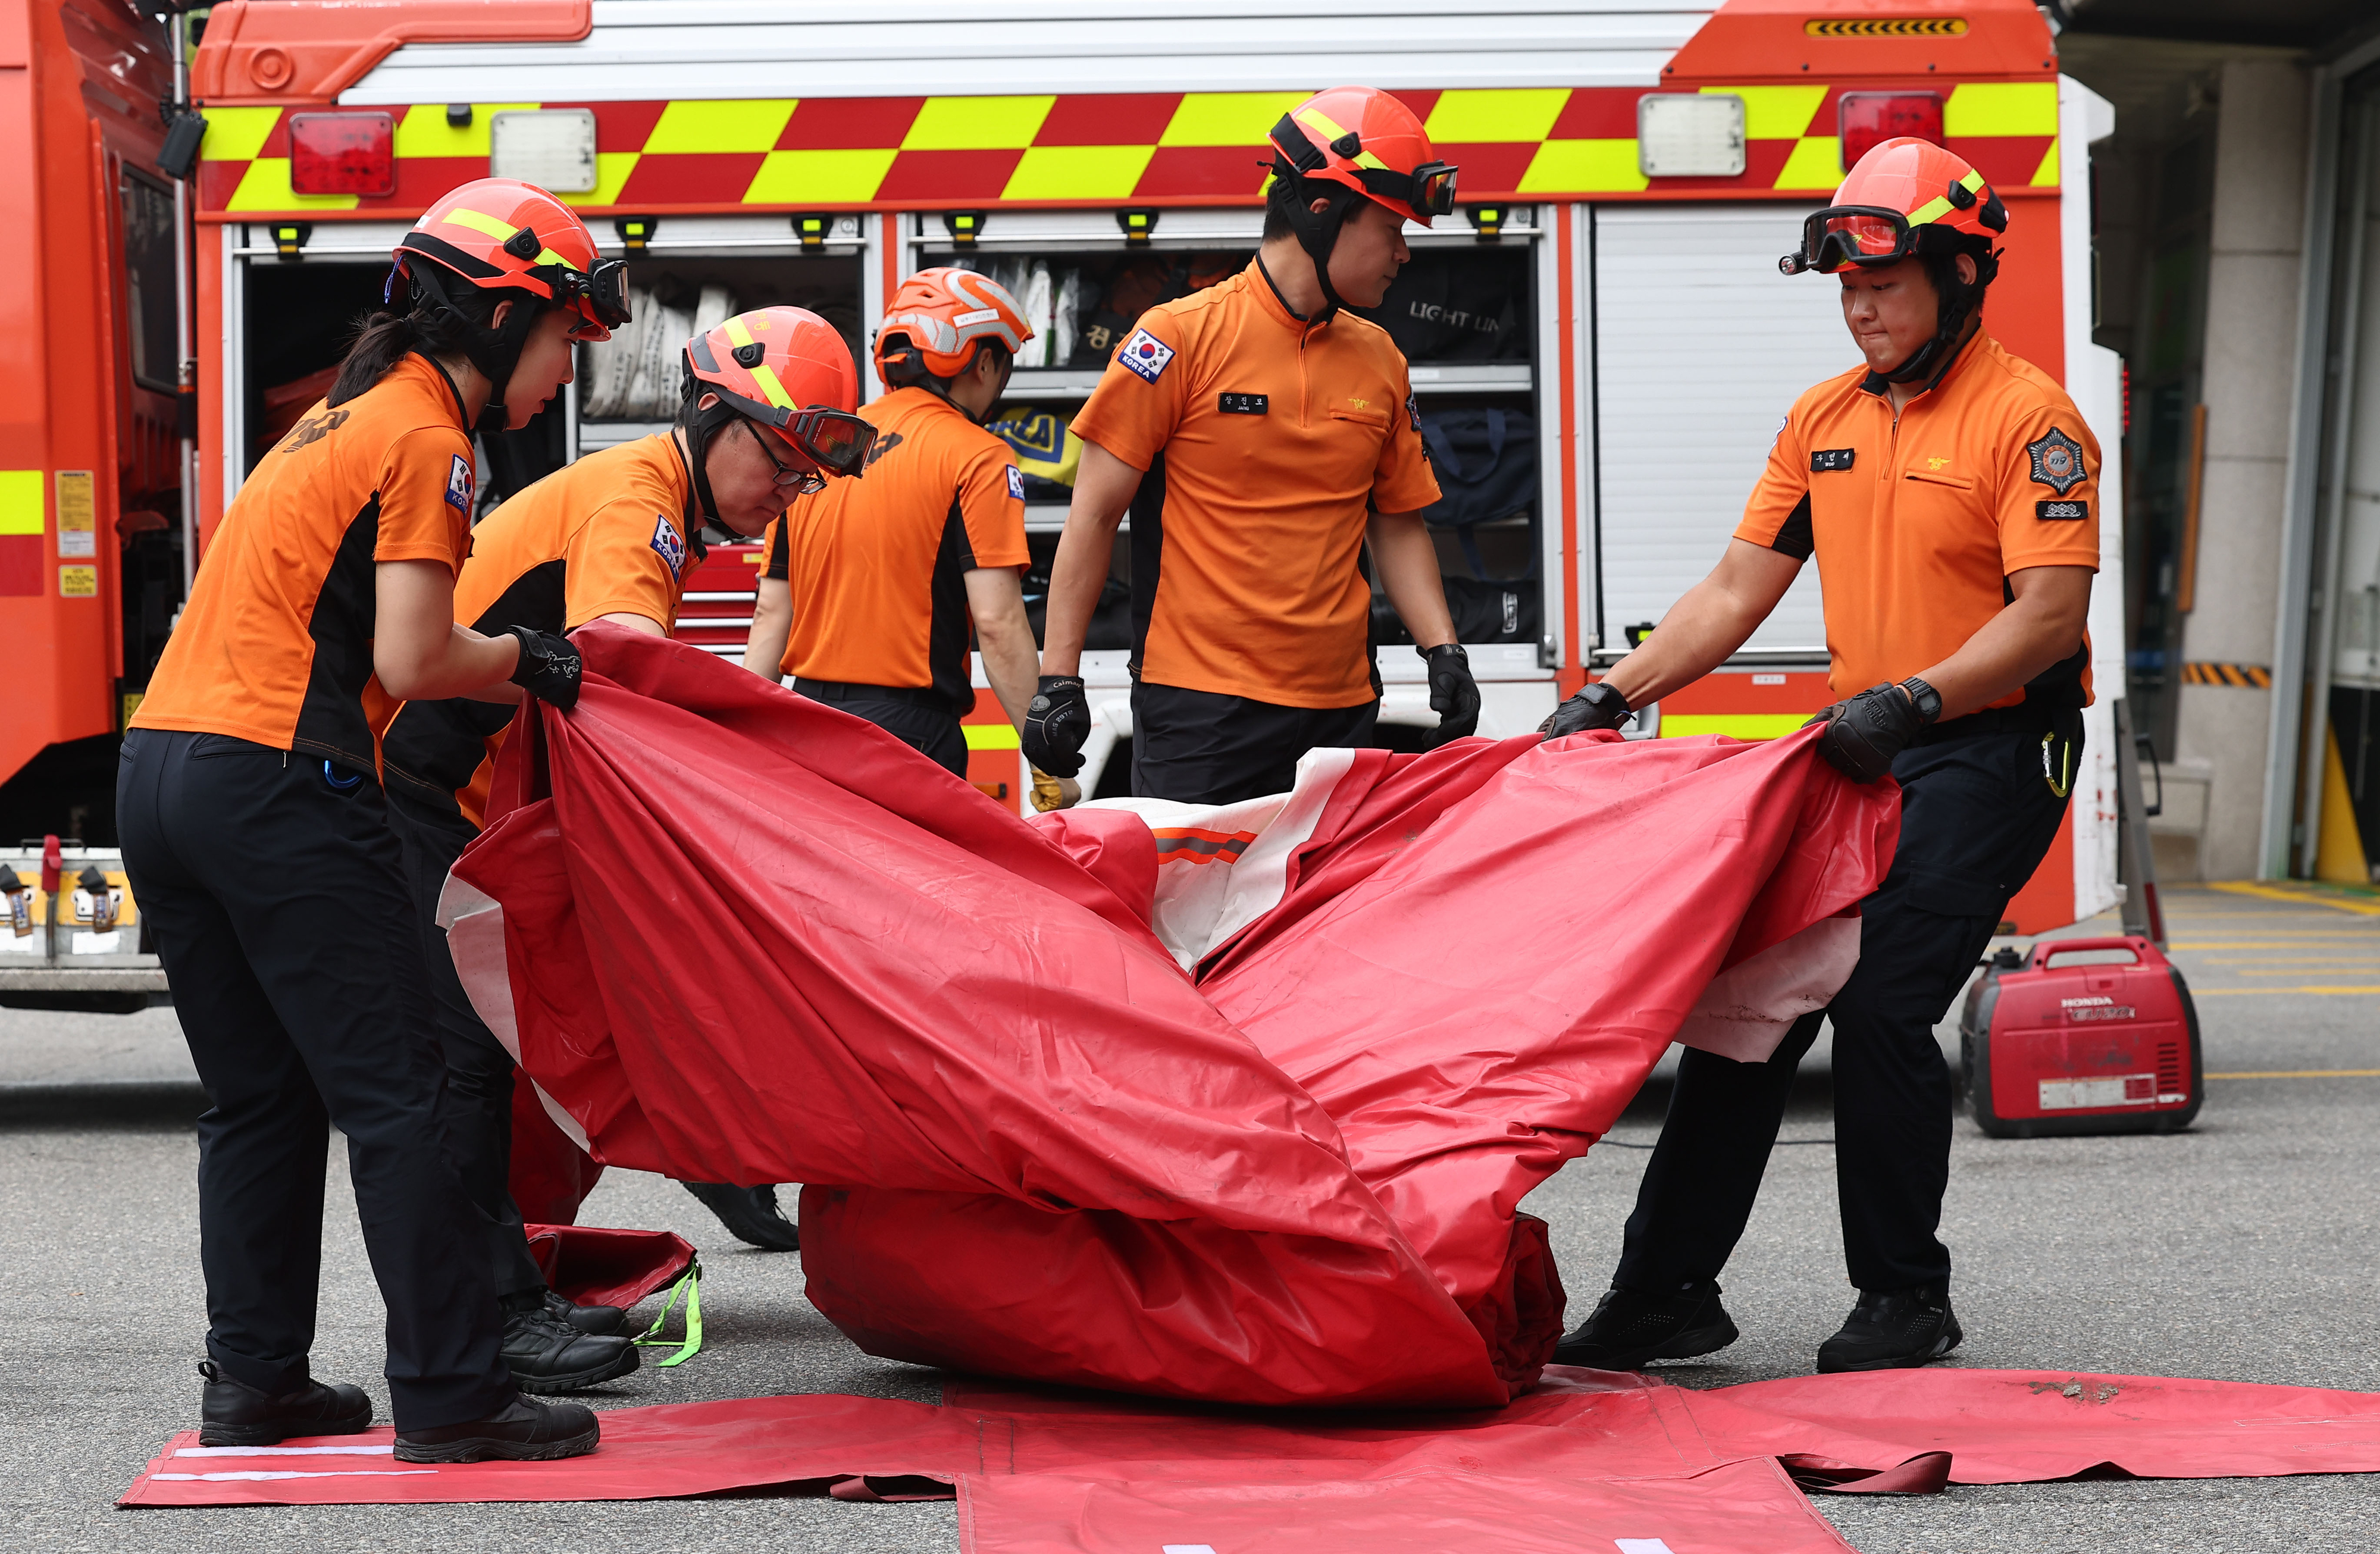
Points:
(1866, 119)
(343, 154)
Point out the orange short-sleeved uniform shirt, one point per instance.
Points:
(275, 643)
(876, 565)
(606, 535)
(1917, 522)
(1266, 444)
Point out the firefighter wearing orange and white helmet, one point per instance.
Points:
(1262, 437)
(872, 588)
(1947, 491)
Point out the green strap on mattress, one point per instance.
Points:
(691, 1288)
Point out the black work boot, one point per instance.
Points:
(1894, 1330)
(597, 1320)
(234, 1413)
(751, 1213)
(1629, 1328)
(522, 1431)
(546, 1354)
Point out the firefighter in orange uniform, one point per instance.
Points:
(258, 842)
(1261, 436)
(766, 416)
(1949, 492)
(871, 588)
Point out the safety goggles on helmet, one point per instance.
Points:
(1841, 235)
(835, 441)
(601, 295)
(1426, 192)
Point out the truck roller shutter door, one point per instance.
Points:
(1701, 348)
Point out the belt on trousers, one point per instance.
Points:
(907, 695)
(2026, 718)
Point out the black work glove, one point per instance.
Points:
(1056, 725)
(1600, 705)
(548, 666)
(1865, 732)
(1453, 694)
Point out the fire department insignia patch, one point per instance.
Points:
(1146, 355)
(1413, 410)
(668, 544)
(2058, 462)
(459, 484)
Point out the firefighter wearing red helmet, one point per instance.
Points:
(256, 835)
(766, 416)
(1260, 437)
(1948, 493)
(872, 590)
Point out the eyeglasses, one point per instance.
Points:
(802, 482)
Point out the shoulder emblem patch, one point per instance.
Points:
(1145, 354)
(1015, 484)
(459, 485)
(2057, 462)
(668, 544)
(1413, 410)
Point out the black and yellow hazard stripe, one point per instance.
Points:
(2248, 677)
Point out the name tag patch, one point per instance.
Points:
(1015, 484)
(1146, 353)
(1827, 461)
(459, 484)
(2066, 510)
(2057, 462)
(668, 544)
(1243, 404)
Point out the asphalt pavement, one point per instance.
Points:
(2243, 1249)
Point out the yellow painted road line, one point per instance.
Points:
(2303, 1074)
(2220, 992)
(2299, 897)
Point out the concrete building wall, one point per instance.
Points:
(2254, 272)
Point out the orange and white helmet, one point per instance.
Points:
(934, 322)
(786, 369)
(504, 234)
(1905, 197)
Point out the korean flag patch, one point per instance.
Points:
(459, 485)
(1015, 484)
(668, 544)
(1146, 353)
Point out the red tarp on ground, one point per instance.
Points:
(736, 935)
(1583, 1461)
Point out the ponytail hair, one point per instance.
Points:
(385, 336)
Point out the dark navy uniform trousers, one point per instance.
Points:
(277, 902)
(1978, 812)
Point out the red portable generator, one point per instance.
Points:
(2080, 1047)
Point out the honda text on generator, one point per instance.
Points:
(1601, 344)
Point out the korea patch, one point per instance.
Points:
(1015, 484)
(2076, 508)
(1413, 410)
(1824, 461)
(1145, 354)
(2058, 462)
(459, 484)
(668, 544)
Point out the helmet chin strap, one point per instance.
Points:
(700, 426)
(495, 352)
(1318, 235)
(1959, 301)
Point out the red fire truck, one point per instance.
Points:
(1600, 339)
